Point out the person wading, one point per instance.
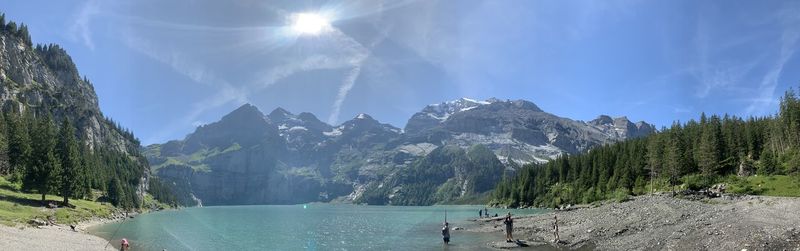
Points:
(446, 233)
(509, 227)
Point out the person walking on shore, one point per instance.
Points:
(509, 227)
(446, 233)
(555, 229)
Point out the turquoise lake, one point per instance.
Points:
(302, 227)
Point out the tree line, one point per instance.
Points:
(695, 154)
(47, 157)
(11, 27)
(51, 156)
(444, 175)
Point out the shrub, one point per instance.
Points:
(621, 194)
(697, 182)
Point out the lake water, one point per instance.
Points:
(302, 227)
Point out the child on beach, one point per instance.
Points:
(124, 246)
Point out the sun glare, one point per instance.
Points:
(309, 23)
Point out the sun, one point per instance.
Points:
(309, 23)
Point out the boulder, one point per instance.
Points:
(37, 222)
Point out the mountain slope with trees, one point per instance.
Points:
(694, 155)
(454, 151)
(54, 140)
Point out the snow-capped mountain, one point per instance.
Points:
(251, 158)
(437, 113)
(517, 131)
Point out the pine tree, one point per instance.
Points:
(24, 35)
(5, 167)
(655, 158)
(70, 161)
(43, 170)
(708, 151)
(674, 155)
(19, 145)
(115, 192)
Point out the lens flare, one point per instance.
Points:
(310, 23)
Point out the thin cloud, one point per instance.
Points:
(226, 93)
(347, 85)
(80, 30)
(314, 62)
(766, 91)
(351, 78)
(714, 75)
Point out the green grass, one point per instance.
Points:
(150, 202)
(775, 185)
(18, 208)
(771, 185)
(196, 159)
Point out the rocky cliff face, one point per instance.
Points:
(44, 79)
(517, 131)
(251, 158)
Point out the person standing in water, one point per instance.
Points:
(509, 227)
(480, 213)
(446, 233)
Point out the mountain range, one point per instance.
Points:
(446, 152)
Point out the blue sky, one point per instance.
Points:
(163, 67)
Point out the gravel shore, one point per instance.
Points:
(49, 238)
(661, 222)
(56, 237)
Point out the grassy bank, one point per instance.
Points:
(773, 185)
(18, 207)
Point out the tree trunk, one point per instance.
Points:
(43, 201)
(66, 197)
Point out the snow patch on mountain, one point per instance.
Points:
(507, 148)
(442, 111)
(335, 132)
(420, 149)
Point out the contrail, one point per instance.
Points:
(348, 84)
(353, 75)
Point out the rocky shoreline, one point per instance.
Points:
(53, 237)
(58, 236)
(661, 222)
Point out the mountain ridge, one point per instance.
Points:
(293, 153)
